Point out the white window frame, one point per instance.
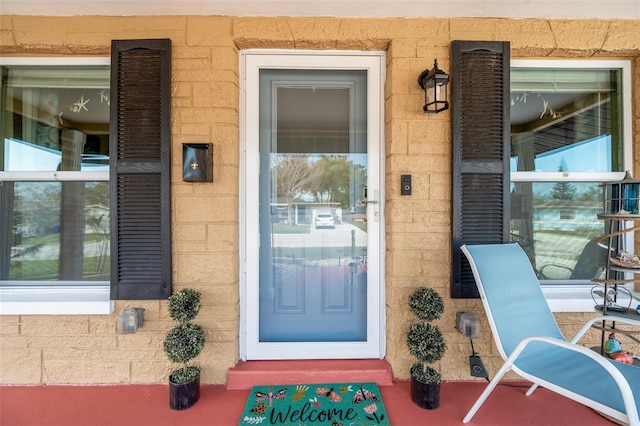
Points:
(577, 298)
(77, 298)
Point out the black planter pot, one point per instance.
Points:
(184, 395)
(425, 395)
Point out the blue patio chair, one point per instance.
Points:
(530, 342)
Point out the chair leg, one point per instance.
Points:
(485, 394)
(531, 389)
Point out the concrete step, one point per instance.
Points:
(247, 374)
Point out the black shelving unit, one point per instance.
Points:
(621, 216)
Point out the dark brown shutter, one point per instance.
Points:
(140, 147)
(480, 107)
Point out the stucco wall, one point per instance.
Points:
(205, 98)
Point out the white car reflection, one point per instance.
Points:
(325, 220)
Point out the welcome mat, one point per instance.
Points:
(315, 405)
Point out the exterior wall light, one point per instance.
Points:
(434, 83)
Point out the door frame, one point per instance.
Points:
(251, 61)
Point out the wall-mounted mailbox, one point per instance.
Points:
(197, 162)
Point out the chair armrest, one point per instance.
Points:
(592, 321)
(551, 265)
(607, 365)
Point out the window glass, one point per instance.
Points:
(566, 139)
(55, 123)
(566, 120)
(556, 224)
(61, 231)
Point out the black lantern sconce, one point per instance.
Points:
(434, 83)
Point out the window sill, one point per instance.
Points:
(572, 298)
(83, 300)
(72, 300)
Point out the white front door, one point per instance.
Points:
(311, 207)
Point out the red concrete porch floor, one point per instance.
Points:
(147, 405)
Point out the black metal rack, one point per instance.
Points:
(621, 216)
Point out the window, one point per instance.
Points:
(85, 180)
(54, 173)
(570, 131)
(516, 140)
(567, 215)
(55, 162)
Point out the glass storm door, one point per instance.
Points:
(318, 215)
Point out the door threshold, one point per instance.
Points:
(247, 374)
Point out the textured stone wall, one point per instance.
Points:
(205, 99)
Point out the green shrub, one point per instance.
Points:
(184, 375)
(185, 341)
(425, 341)
(426, 304)
(425, 374)
(184, 305)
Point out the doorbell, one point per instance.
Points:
(405, 185)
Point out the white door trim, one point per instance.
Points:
(250, 63)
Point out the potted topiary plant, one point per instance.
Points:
(182, 344)
(427, 344)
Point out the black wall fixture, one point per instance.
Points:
(197, 162)
(434, 83)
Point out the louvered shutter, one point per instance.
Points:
(140, 137)
(481, 140)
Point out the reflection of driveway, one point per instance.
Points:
(341, 236)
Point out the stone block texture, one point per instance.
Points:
(205, 109)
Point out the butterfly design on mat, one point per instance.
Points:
(270, 396)
(363, 395)
(330, 393)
